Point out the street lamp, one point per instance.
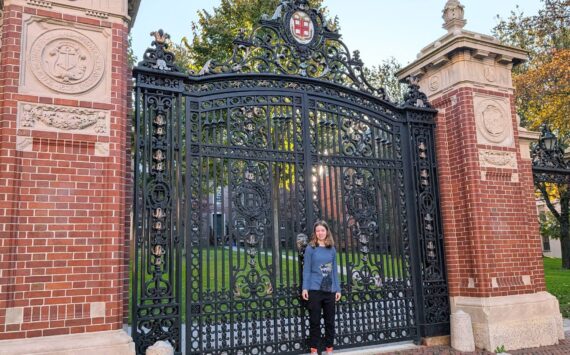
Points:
(548, 154)
(548, 139)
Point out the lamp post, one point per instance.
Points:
(548, 154)
(547, 138)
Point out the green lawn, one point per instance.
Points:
(558, 283)
(215, 268)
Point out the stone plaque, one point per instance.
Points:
(65, 60)
(497, 159)
(67, 119)
(493, 121)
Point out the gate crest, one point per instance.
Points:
(296, 40)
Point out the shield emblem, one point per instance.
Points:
(302, 27)
(69, 62)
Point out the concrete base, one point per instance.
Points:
(394, 348)
(115, 342)
(516, 322)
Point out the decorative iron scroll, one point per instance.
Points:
(251, 206)
(157, 314)
(159, 58)
(549, 163)
(296, 40)
(230, 169)
(430, 238)
(359, 185)
(414, 97)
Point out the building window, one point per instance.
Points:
(545, 243)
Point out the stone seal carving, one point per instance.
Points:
(63, 119)
(434, 83)
(492, 121)
(490, 74)
(66, 61)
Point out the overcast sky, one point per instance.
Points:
(378, 28)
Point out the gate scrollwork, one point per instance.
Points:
(235, 163)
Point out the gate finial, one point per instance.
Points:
(159, 58)
(453, 15)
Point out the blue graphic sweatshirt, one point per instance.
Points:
(320, 272)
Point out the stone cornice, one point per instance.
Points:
(110, 10)
(441, 51)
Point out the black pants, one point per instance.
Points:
(321, 300)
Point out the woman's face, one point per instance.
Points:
(321, 233)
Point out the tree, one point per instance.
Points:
(213, 34)
(384, 76)
(543, 83)
(543, 87)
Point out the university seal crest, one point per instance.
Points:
(302, 27)
(67, 61)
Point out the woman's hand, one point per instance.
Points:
(305, 295)
(337, 296)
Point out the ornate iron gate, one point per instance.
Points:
(234, 164)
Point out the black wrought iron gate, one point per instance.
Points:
(234, 164)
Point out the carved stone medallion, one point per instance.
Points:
(434, 83)
(66, 61)
(493, 120)
(490, 73)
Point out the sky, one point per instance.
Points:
(379, 29)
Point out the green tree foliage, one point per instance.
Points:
(549, 226)
(384, 76)
(543, 87)
(543, 83)
(215, 30)
(213, 34)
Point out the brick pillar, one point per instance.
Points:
(64, 182)
(493, 247)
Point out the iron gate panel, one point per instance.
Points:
(247, 152)
(233, 166)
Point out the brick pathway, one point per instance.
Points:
(561, 349)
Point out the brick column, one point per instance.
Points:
(64, 183)
(493, 247)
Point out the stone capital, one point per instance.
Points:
(463, 58)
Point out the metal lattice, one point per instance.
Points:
(235, 163)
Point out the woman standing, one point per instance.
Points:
(320, 285)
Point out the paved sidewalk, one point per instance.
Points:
(563, 348)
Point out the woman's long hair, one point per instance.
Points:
(329, 241)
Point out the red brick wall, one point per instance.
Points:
(63, 210)
(490, 227)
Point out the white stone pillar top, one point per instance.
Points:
(481, 46)
(457, 40)
(454, 16)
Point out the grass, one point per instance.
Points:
(558, 283)
(557, 280)
(214, 260)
